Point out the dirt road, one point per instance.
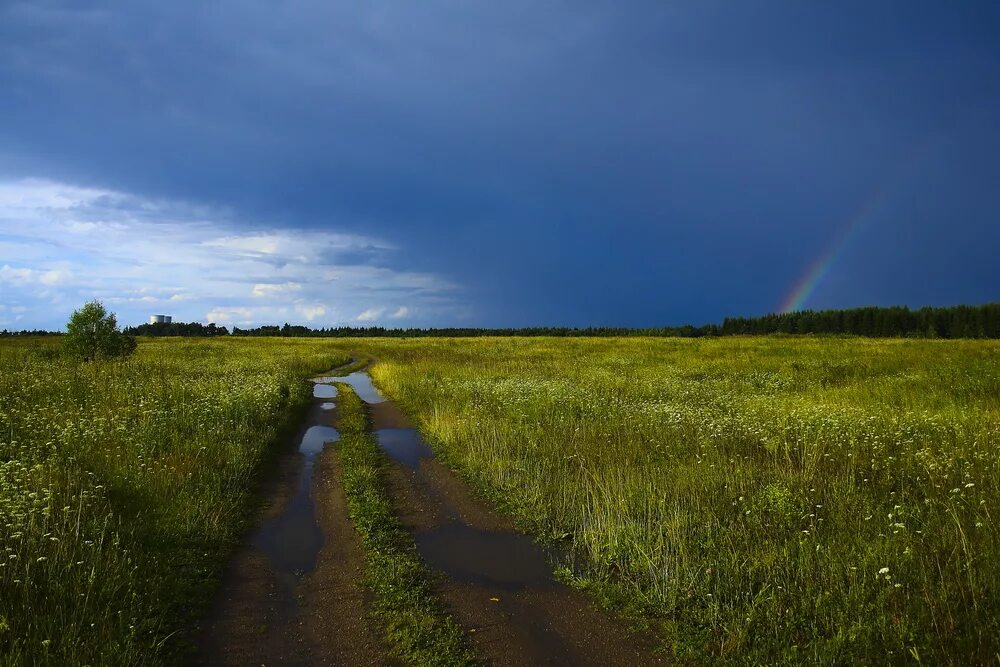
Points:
(292, 593)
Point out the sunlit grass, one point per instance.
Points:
(768, 499)
(123, 485)
(764, 500)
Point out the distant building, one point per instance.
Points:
(160, 319)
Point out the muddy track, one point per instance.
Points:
(292, 594)
(496, 581)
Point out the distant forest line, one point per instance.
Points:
(876, 322)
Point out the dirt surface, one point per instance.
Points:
(387, 415)
(334, 606)
(267, 615)
(255, 617)
(495, 581)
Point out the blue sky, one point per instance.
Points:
(495, 164)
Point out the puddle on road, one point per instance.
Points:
(324, 391)
(292, 540)
(363, 387)
(360, 383)
(494, 558)
(470, 555)
(506, 560)
(404, 445)
(315, 438)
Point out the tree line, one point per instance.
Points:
(177, 329)
(454, 332)
(897, 321)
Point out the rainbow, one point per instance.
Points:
(819, 269)
(866, 212)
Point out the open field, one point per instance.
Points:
(743, 499)
(775, 499)
(123, 485)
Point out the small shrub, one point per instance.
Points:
(92, 333)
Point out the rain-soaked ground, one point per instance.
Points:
(496, 580)
(292, 594)
(360, 382)
(293, 538)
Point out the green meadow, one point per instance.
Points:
(748, 500)
(757, 499)
(123, 485)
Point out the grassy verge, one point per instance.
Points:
(125, 484)
(417, 626)
(356, 364)
(767, 500)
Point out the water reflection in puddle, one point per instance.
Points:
(363, 387)
(324, 391)
(464, 553)
(404, 445)
(314, 439)
(493, 558)
(359, 382)
(327, 406)
(292, 539)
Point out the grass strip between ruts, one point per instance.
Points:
(417, 626)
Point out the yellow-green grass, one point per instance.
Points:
(762, 499)
(123, 485)
(415, 623)
(768, 500)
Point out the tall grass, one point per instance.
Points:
(768, 500)
(123, 485)
(765, 500)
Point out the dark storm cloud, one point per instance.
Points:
(576, 163)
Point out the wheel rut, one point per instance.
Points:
(291, 594)
(495, 580)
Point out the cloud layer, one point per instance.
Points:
(568, 163)
(62, 245)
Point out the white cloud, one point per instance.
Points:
(9, 274)
(310, 312)
(271, 290)
(146, 298)
(236, 315)
(370, 314)
(32, 194)
(195, 263)
(248, 245)
(26, 276)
